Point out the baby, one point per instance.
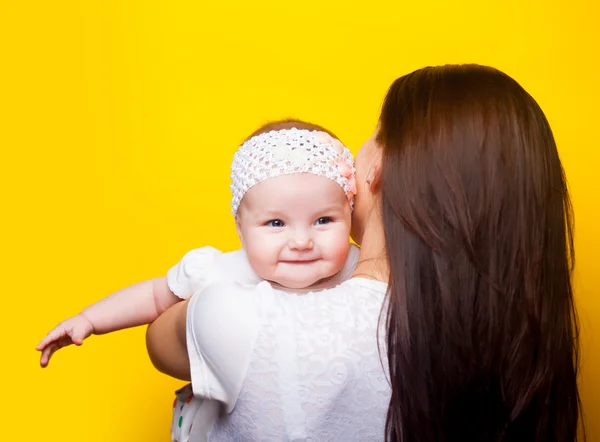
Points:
(293, 188)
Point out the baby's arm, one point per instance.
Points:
(136, 305)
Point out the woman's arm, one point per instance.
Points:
(166, 342)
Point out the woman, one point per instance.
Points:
(463, 211)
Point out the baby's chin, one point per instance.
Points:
(306, 283)
(295, 285)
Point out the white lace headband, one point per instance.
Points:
(287, 151)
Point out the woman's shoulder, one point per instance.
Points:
(366, 285)
(352, 287)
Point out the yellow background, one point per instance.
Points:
(118, 122)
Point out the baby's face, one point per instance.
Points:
(295, 229)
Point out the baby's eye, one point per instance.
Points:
(323, 220)
(275, 223)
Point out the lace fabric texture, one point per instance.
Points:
(289, 151)
(316, 373)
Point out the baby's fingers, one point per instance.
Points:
(51, 348)
(54, 335)
(47, 353)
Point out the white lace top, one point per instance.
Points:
(291, 367)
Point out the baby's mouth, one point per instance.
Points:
(298, 261)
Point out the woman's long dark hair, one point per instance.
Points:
(482, 330)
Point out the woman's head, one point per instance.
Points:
(482, 334)
(293, 189)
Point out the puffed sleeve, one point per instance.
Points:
(194, 272)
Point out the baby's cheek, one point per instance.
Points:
(339, 248)
(262, 268)
(259, 256)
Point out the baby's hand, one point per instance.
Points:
(71, 331)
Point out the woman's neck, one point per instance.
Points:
(372, 261)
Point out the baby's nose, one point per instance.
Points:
(301, 243)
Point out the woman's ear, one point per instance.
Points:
(374, 175)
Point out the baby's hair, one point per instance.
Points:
(289, 123)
